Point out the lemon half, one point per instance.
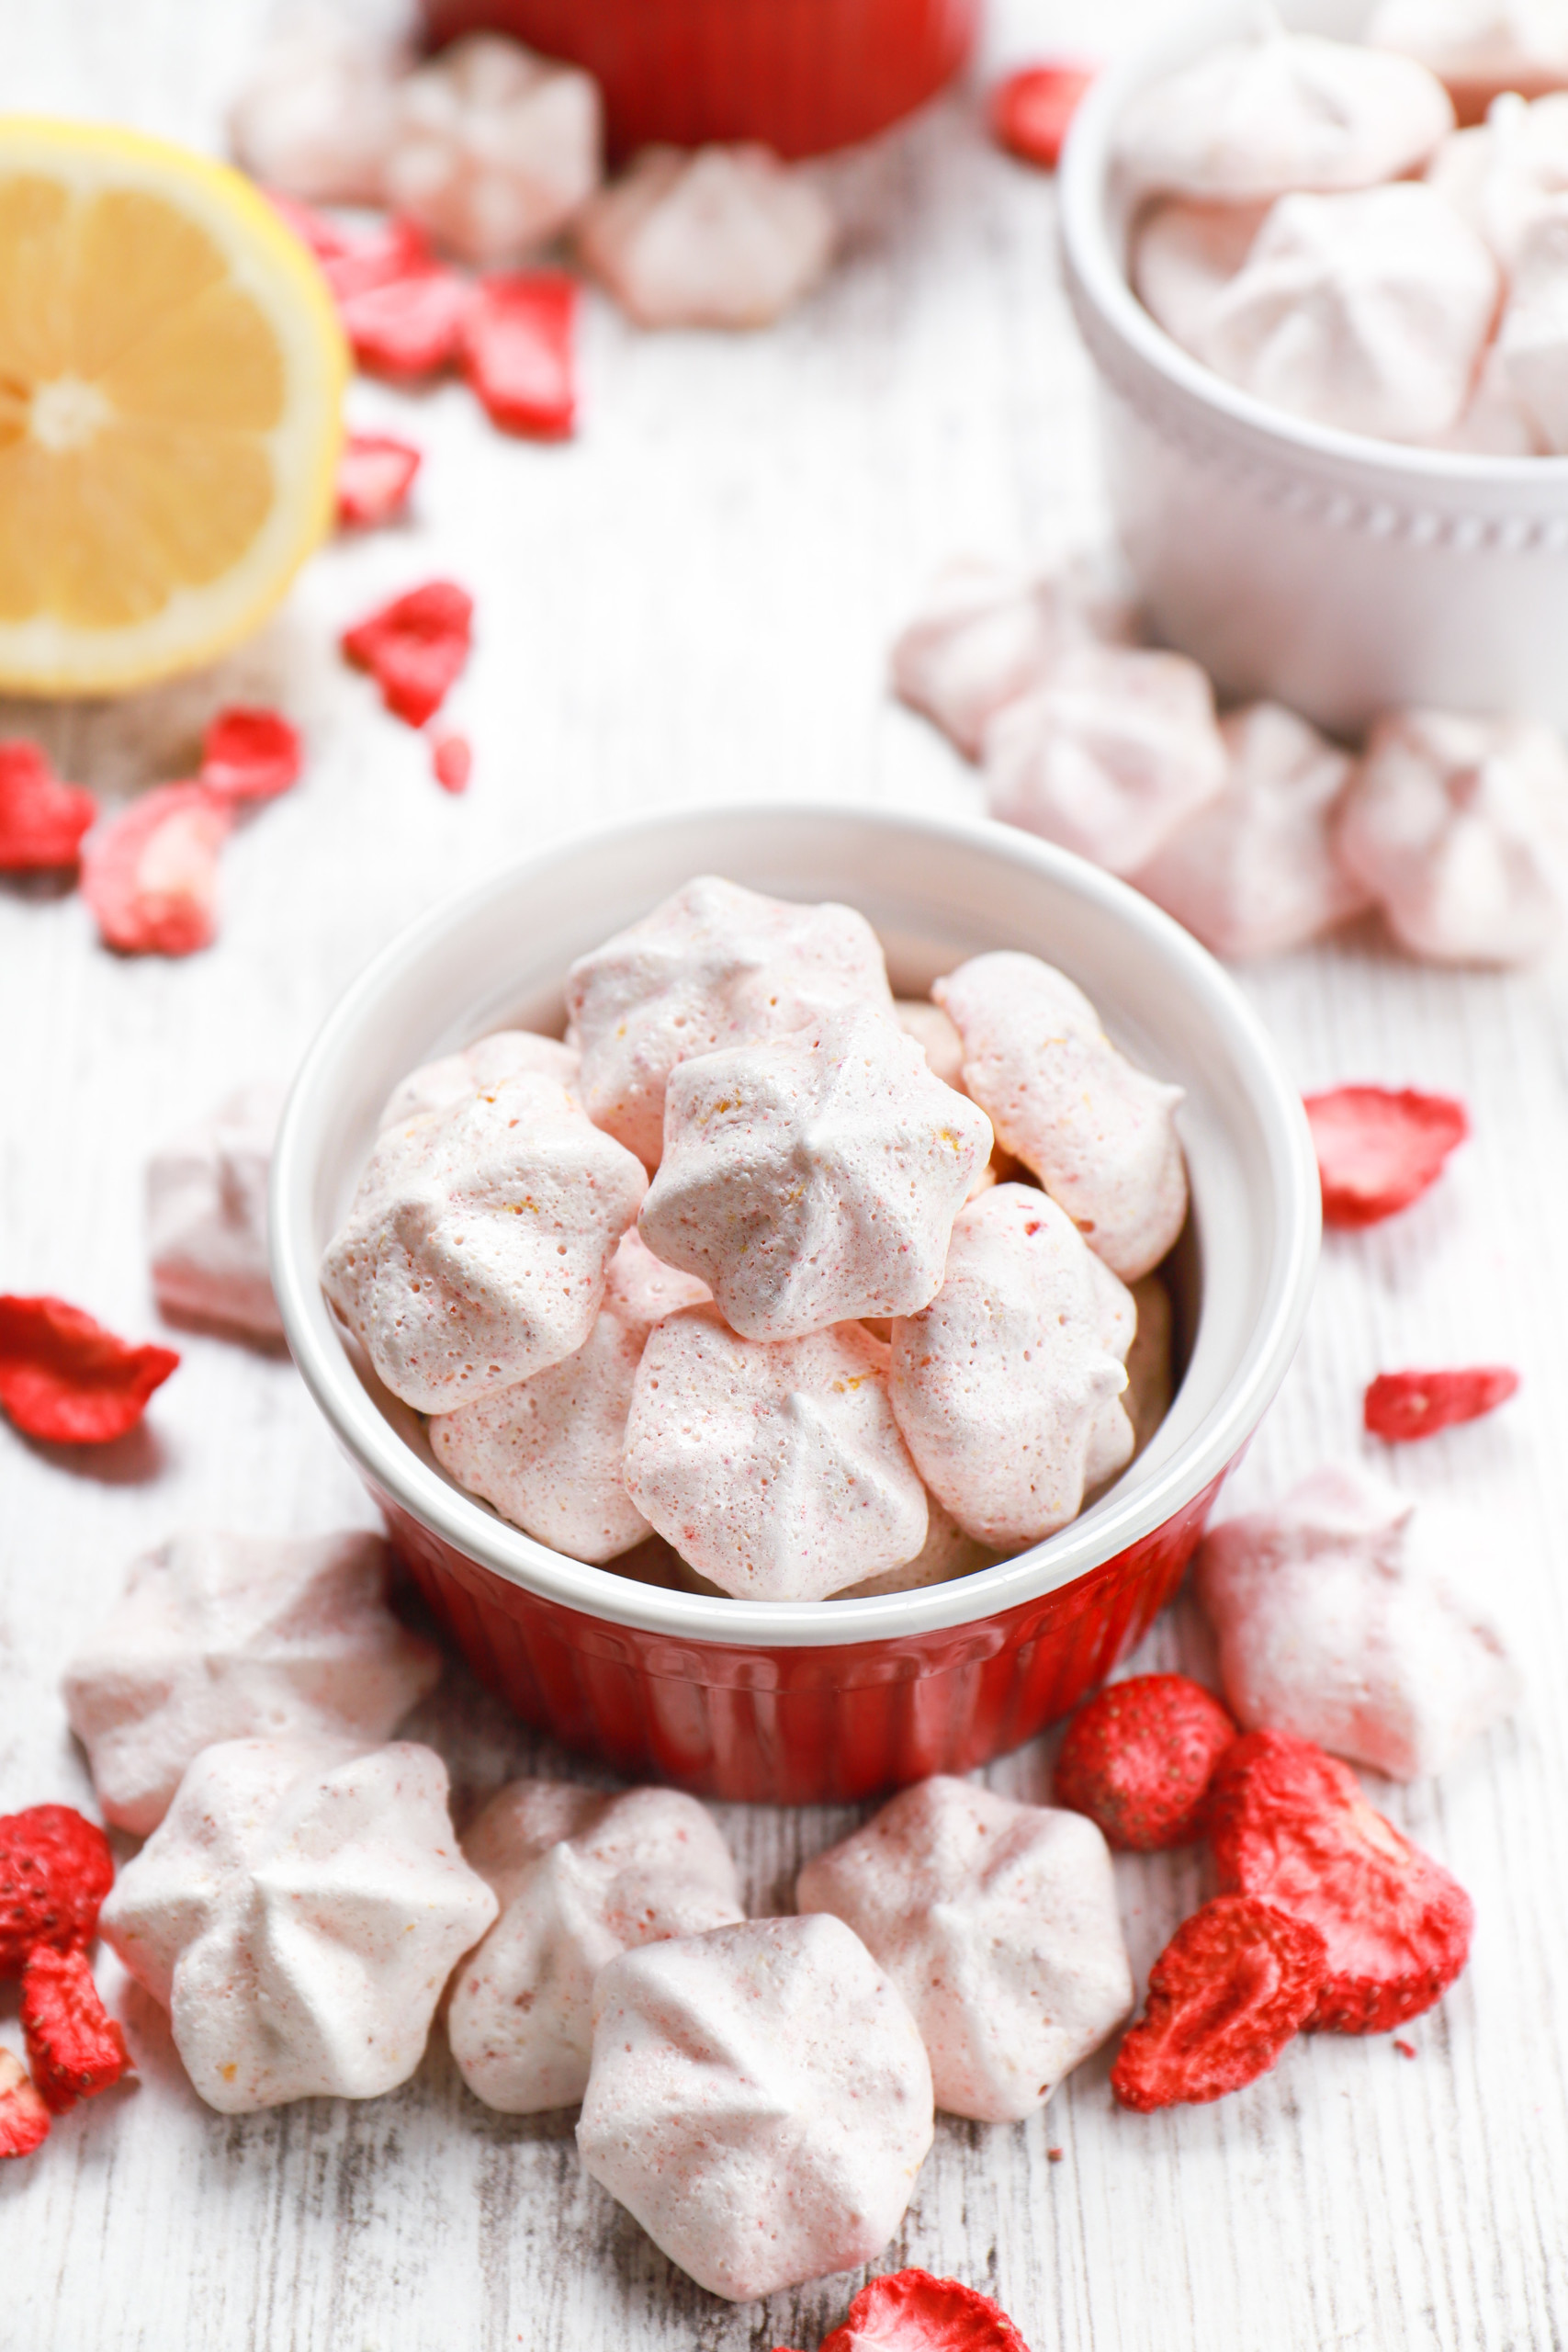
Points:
(171, 389)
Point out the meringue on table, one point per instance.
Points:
(724, 237)
(986, 633)
(207, 1222)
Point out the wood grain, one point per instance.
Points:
(694, 602)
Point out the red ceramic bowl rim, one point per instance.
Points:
(480, 1536)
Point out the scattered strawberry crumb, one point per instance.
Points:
(452, 758)
(1031, 110)
(1055, 2156)
(250, 754)
(375, 475)
(1406, 2049)
(415, 648)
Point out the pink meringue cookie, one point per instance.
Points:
(1183, 255)
(1368, 312)
(1458, 828)
(760, 2100)
(813, 1178)
(505, 1053)
(547, 1453)
(724, 237)
(989, 632)
(1337, 1621)
(713, 965)
(476, 1249)
(936, 1037)
(1255, 873)
(998, 1923)
(1254, 119)
(221, 1637)
(1005, 1389)
(297, 1913)
(493, 150)
(775, 1467)
(1099, 1135)
(1496, 423)
(206, 1230)
(946, 1553)
(1498, 174)
(316, 120)
(1108, 757)
(1479, 48)
(1532, 339)
(581, 1877)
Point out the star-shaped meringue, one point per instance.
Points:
(775, 1467)
(1006, 1388)
(724, 237)
(987, 633)
(813, 1178)
(547, 1455)
(579, 1877)
(236, 1636)
(1099, 1133)
(206, 1228)
(297, 1913)
(475, 1251)
(712, 966)
(759, 2101)
(997, 1922)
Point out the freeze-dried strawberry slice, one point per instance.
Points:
(912, 2312)
(64, 1377)
(1236, 1982)
(518, 338)
(249, 754)
(415, 647)
(406, 327)
(375, 474)
(55, 1869)
(150, 874)
(452, 758)
(1031, 109)
(1402, 1406)
(24, 2118)
(1290, 1823)
(1378, 1149)
(42, 820)
(393, 250)
(75, 2047)
(1138, 1759)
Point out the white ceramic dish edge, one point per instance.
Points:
(334, 1073)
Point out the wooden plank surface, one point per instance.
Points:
(694, 602)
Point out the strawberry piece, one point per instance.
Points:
(394, 250)
(319, 235)
(1289, 1824)
(415, 648)
(518, 352)
(452, 758)
(1139, 1758)
(1031, 109)
(24, 2118)
(1379, 1151)
(911, 2311)
(64, 1377)
(75, 2047)
(1404, 1405)
(406, 327)
(375, 474)
(42, 820)
(249, 754)
(150, 874)
(55, 1869)
(1236, 1981)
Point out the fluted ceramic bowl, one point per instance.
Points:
(834, 1699)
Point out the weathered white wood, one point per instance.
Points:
(694, 601)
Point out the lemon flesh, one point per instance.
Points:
(170, 385)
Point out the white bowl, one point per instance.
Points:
(1339, 575)
(936, 893)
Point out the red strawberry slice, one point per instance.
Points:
(1404, 1405)
(42, 820)
(375, 475)
(912, 2312)
(518, 352)
(415, 648)
(1289, 1824)
(24, 2118)
(1378, 1150)
(1236, 1981)
(77, 2050)
(1031, 110)
(1138, 1759)
(64, 1377)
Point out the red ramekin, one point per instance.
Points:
(800, 1703)
(802, 75)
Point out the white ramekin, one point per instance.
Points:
(1339, 575)
(830, 1697)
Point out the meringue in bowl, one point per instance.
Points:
(1301, 562)
(795, 1701)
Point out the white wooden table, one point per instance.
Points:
(692, 601)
